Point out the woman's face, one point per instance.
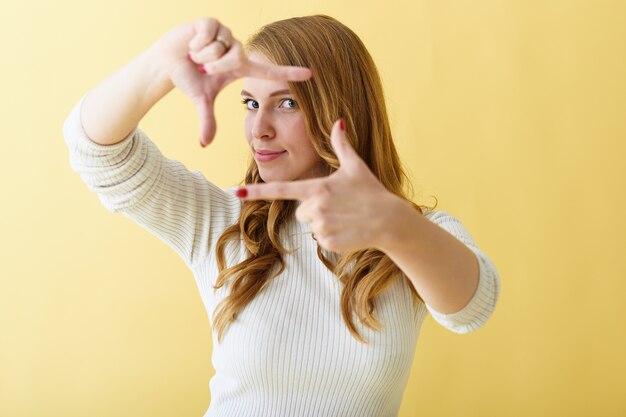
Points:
(275, 129)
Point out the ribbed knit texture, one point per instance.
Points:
(289, 352)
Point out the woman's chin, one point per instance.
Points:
(273, 177)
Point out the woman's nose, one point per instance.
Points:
(262, 128)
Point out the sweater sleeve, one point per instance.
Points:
(484, 300)
(161, 195)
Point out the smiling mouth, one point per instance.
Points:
(268, 152)
(266, 156)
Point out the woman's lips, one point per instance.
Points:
(266, 156)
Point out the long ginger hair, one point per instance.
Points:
(346, 84)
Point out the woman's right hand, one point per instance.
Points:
(187, 49)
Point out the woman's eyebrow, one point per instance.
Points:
(275, 93)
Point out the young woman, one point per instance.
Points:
(318, 273)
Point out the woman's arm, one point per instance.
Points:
(443, 270)
(119, 162)
(114, 107)
(458, 282)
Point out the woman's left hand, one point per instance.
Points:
(348, 210)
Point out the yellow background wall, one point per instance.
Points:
(510, 112)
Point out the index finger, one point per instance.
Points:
(279, 190)
(278, 72)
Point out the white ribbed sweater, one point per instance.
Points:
(289, 352)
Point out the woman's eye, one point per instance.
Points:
(289, 103)
(250, 104)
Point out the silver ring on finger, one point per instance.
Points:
(225, 42)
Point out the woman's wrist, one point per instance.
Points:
(399, 217)
(159, 68)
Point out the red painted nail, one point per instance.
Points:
(201, 69)
(342, 124)
(241, 192)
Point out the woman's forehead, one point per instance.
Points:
(260, 88)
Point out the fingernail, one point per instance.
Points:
(242, 192)
(201, 69)
(342, 124)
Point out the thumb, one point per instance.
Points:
(348, 158)
(208, 125)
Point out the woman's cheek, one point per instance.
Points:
(247, 128)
